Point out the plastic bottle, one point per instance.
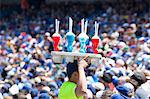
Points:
(70, 36)
(95, 39)
(56, 36)
(83, 37)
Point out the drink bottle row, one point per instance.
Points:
(70, 37)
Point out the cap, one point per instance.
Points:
(34, 92)
(115, 80)
(99, 94)
(107, 94)
(47, 34)
(123, 90)
(117, 96)
(44, 96)
(139, 77)
(46, 88)
(129, 86)
(98, 86)
(121, 44)
(14, 89)
(120, 61)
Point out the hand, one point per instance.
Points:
(83, 63)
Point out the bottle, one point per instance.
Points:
(83, 37)
(56, 36)
(70, 36)
(95, 39)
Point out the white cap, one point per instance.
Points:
(99, 94)
(98, 85)
(62, 31)
(115, 35)
(147, 25)
(46, 88)
(120, 61)
(37, 79)
(111, 61)
(11, 73)
(129, 86)
(47, 34)
(141, 38)
(14, 89)
(122, 44)
(134, 27)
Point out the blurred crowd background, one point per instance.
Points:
(27, 70)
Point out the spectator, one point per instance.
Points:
(26, 64)
(76, 85)
(141, 85)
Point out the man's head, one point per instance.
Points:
(137, 79)
(107, 94)
(107, 77)
(72, 71)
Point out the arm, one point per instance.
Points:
(82, 84)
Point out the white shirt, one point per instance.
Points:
(143, 92)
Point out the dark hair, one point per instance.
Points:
(107, 77)
(71, 68)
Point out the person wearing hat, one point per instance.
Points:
(141, 85)
(124, 92)
(34, 93)
(75, 87)
(47, 41)
(107, 79)
(106, 94)
(44, 96)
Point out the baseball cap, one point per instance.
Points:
(34, 92)
(129, 86)
(139, 77)
(47, 34)
(99, 94)
(123, 90)
(115, 80)
(98, 85)
(120, 61)
(44, 96)
(117, 96)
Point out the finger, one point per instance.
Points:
(85, 57)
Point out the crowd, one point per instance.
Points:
(28, 71)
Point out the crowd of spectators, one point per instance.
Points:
(28, 71)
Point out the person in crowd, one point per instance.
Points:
(141, 85)
(27, 69)
(76, 86)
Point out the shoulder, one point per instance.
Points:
(67, 86)
(143, 91)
